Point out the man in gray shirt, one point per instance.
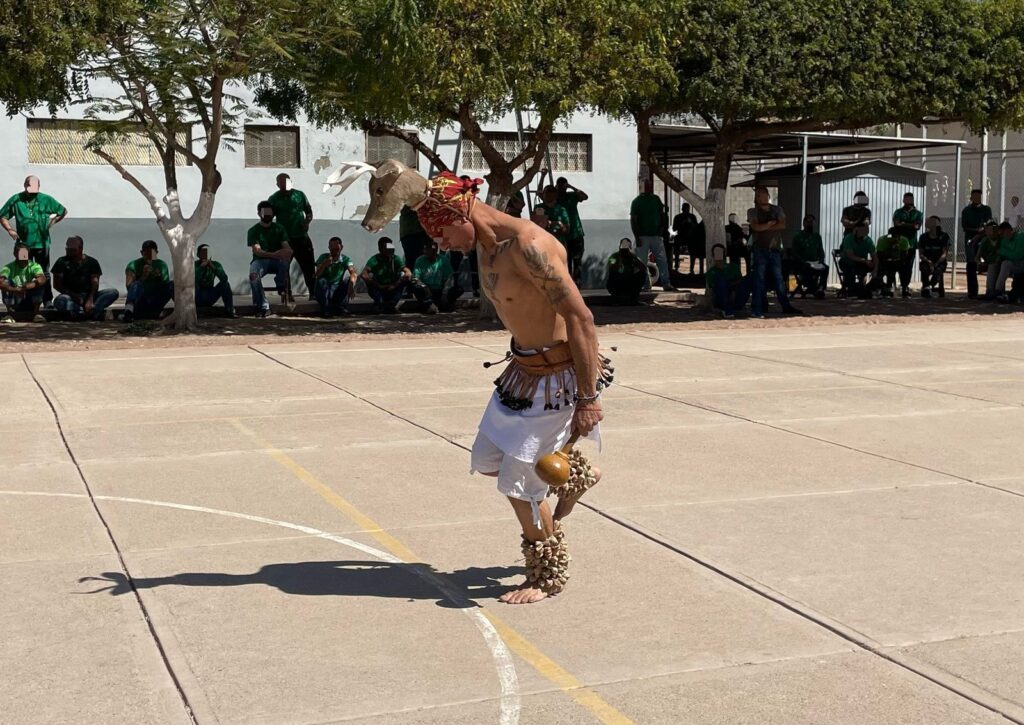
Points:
(767, 222)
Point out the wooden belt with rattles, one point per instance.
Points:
(547, 362)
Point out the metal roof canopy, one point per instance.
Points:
(771, 177)
(676, 145)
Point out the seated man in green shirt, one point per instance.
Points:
(627, 275)
(892, 249)
(433, 281)
(858, 260)
(149, 285)
(806, 257)
(1011, 250)
(271, 254)
(335, 280)
(21, 283)
(76, 276)
(729, 288)
(934, 245)
(212, 282)
(386, 277)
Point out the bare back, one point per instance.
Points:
(509, 272)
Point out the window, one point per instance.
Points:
(568, 151)
(63, 141)
(381, 147)
(272, 147)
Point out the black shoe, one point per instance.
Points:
(942, 291)
(906, 293)
(263, 314)
(128, 316)
(232, 315)
(377, 309)
(391, 310)
(792, 311)
(925, 292)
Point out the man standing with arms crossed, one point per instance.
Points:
(646, 215)
(34, 213)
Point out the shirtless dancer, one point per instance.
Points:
(553, 382)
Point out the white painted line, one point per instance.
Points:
(506, 670)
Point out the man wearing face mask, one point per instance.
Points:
(807, 259)
(856, 214)
(293, 212)
(386, 277)
(271, 254)
(212, 282)
(934, 246)
(34, 213)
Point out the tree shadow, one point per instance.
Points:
(336, 579)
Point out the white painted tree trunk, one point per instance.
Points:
(182, 246)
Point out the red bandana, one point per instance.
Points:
(448, 202)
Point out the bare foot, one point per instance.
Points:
(524, 594)
(565, 505)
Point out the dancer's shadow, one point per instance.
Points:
(339, 579)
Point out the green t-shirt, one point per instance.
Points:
(807, 247)
(557, 213)
(647, 211)
(335, 271)
(933, 247)
(77, 275)
(989, 250)
(904, 220)
(860, 247)
(385, 272)
(570, 201)
(892, 247)
(207, 276)
(31, 214)
(729, 271)
(19, 276)
(290, 209)
(434, 274)
(270, 238)
(1012, 247)
(158, 277)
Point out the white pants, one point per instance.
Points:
(656, 245)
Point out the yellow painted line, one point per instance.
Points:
(544, 665)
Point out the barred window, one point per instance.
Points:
(272, 147)
(381, 147)
(63, 142)
(568, 151)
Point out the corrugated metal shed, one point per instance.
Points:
(831, 188)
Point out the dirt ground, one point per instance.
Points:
(55, 336)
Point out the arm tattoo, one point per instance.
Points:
(545, 274)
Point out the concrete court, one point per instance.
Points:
(799, 525)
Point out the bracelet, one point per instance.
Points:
(577, 398)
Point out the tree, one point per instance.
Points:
(757, 69)
(465, 64)
(167, 69)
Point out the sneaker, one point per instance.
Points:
(1002, 299)
(757, 315)
(128, 316)
(728, 315)
(232, 315)
(263, 313)
(669, 288)
(7, 320)
(432, 310)
(38, 318)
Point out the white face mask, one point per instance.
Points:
(287, 184)
(861, 200)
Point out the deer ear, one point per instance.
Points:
(390, 166)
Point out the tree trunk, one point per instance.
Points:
(182, 244)
(713, 211)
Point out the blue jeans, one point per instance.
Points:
(103, 299)
(767, 262)
(208, 296)
(148, 304)
(261, 267)
(656, 245)
(388, 299)
(730, 300)
(26, 304)
(332, 296)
